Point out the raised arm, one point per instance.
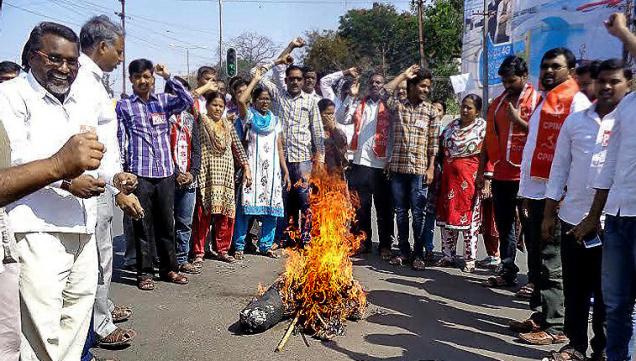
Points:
(407, 74)
(328, 81)
(244, 99)
(616, 25)
(175, 104)
(344, 114)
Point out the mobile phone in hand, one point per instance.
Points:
(592, 241)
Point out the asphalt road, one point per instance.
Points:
(437, 314)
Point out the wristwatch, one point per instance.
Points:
(66, 185)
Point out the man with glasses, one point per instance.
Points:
(560, 98)
(55, 226)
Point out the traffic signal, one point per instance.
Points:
(231, 63)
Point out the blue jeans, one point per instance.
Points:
(268, 231)
(619, 285)
(184, 200)
(409, 192)
(429, 231)
(297, 199)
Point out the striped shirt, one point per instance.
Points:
(416, 131)
(144, 131)
(303, 133)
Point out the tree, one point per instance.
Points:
(252, 49)
(327, 51)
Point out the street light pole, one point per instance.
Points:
(220, 36)
(187, 49)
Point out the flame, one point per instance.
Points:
(318, 280)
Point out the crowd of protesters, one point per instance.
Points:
(552, 169)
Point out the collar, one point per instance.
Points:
(301, 95)
(43, 93)
(88, 64)
(134, 98)
(591, 113)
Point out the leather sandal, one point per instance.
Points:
(565, 354)
(224, 257)
(525, 326)
(174, 277)
(190, 268)
(118, 338)
(543, 338)
(145, 283)
(270, 253)
(121, 314)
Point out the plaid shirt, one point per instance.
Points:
(302, 128)
(415, 136)
(144, 131)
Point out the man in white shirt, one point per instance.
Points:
(560, 98)
(204, 75)
(366, 175)
(616, 192)
(82, 152)
(54, 227)
(334, 87)
(571, 165)
(102, 51)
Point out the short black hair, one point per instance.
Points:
(292, 68)
(613, 65)
(138, 66)
(257, 93)
(9, 67)
(205, 69)
(168, 88)
(325, 103)
(567, 53)
(308, 69)
(476, 100)
(588, 67)
(421, 75)
(35, 38)
(442, 103)
(209, 97)
(98, 29)
(237, 84)
(513, 65)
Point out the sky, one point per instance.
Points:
(159, 29)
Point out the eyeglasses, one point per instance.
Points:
(58, 61)
(553, 66)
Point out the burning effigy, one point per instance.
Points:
(317, 289)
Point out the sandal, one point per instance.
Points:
(565, 354)
(498, 282)
(385, 254)
(526, 291)
(174, 277)
(120, 314)
(198, 261)
(543, 338)
(239, 255)
(468, 267)
(270, 253)
(398, 260)
(418, 264)
(445, 262)
(146, 283)
(224, 257)
(190, 269)
(117, 338)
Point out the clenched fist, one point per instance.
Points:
(81, 152)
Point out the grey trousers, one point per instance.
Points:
(102, 318)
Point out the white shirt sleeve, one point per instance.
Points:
(107, 134)
(605, 178)
(580, 102)
(279, 76)
(560, 169)
(326, 85)
(344, 114)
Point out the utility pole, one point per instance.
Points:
(220, 36)
(122, 16)
(187, 49)
(420, 24)
(484, 54)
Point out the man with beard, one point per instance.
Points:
(561, 97)
(144, 139)
(102, 46)
(572, 159)
(371, 121)
(506, 134)
(54, 227)
(613, 168)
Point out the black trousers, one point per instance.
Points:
(544, 261)
(581, 281)
(504, 196)
(371, 185)
(156, 196)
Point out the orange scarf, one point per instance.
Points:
(555, 109)
(514, 137)
(380, 139)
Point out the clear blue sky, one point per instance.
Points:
(153, 25)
